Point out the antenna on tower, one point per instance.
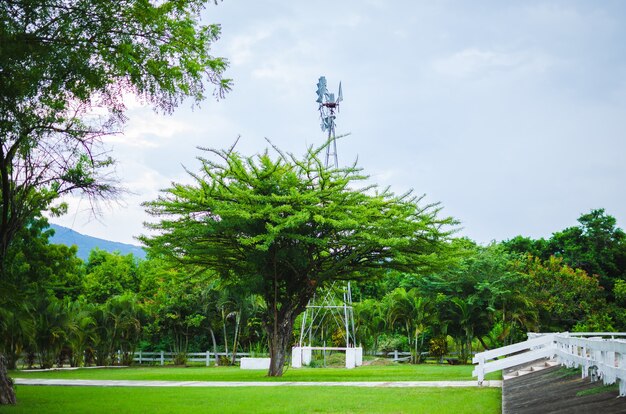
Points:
(331, 311)
(328, 108)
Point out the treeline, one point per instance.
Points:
(55, 309)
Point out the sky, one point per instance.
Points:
(512, 115)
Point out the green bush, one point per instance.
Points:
(438, 347)
(180, 358)
(333, 360)
(389, 343)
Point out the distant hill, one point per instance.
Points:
(69, 237)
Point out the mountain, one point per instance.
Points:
(69, 237)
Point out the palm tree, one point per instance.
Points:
(103, 340)
(210, 308)
(16, 330)
(118, 328)
(125, 325)
(51, 320)
(81, 329)
(369, 316)
(413, 313)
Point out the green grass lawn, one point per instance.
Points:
(424, 372)
(68, 399)
(48, 399)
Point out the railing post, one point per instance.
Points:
(162, 358)
(621, 363)
(208, 358)
(481, 370)
(395, 355)
(139, 357)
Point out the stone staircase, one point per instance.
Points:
(559, 390)
(525, 369)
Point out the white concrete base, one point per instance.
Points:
(302, 355)
(255, 363)
(296, 357)
(350, 358)
(306, 356)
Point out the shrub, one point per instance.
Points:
(438, 347)
(389, 343)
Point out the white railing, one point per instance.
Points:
(516, 354)
(600, 354)
(596, 356)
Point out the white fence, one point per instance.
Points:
(599, 354)
(208, 357)
(162, 357)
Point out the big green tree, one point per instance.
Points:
(282, 226)
(65, 69)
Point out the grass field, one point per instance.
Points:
(424, 372)
(69, 399)
(37, 399)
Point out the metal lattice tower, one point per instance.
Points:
(333, 305)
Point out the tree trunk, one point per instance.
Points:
(482, 342)
(235, 341)
(225, 336)
(280, 341)
(7, 393)
(217, 358)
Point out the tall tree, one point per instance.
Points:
(65, 68)
(63, 64)
(596, 245)
(283, 226)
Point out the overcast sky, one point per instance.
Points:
(511, 114)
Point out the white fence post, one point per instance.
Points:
(139, 357)
(208, 358)
(621, 364)
(162, 358)
(480, 370)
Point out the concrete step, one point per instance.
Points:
(527, 370)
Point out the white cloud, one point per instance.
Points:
(147, 129)
(476, 62)
(241, 48)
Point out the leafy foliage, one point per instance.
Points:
(65, 69)
(596, 246)
(108, 275)
(562, 296)
(282, 227)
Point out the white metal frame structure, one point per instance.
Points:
(323, 309)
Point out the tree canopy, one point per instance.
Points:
(282, 227)
(65, 68)
(596, 246)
